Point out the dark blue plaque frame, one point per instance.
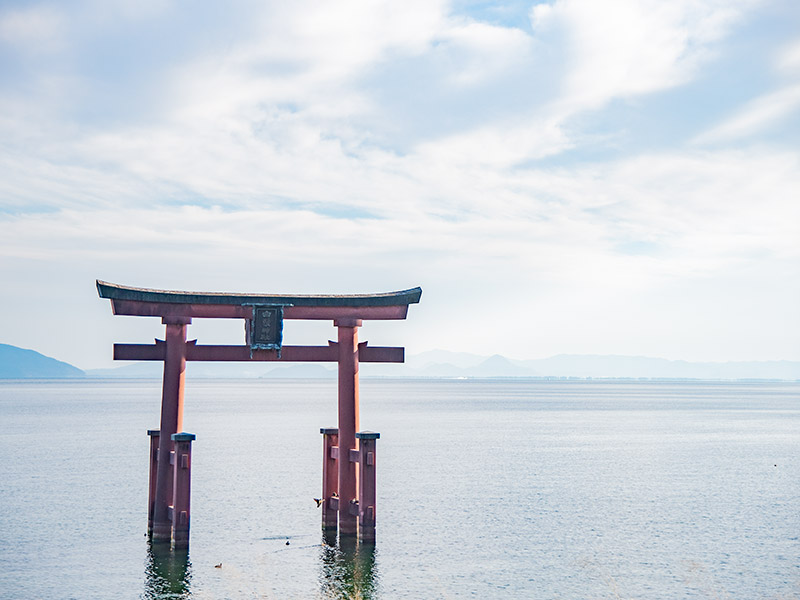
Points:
(266, 327)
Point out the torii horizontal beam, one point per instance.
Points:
(195, 352)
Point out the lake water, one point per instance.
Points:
(486, 489)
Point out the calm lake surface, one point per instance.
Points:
(486, 489)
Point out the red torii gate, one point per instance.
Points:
(349, 455)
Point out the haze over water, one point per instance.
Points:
(486, 489)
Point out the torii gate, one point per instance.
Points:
(349, 455)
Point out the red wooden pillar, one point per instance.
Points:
(182, 488)
(330, 477)
(348, 424)
(151, 491)
(171, 422)
(366, 485)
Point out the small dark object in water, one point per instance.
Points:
(318, 501)
(287, 541)
(219, 566)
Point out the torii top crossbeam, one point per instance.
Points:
(126, 300)
(263, 314)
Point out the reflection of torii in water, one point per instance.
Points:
(342, 503)
(348, 570)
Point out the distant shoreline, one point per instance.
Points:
(19, 363)
(520, 379)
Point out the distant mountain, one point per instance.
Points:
(301, 371)
(441, 363)
(462, 360)
(583, 365)
(139, 370)
(19, 363)
(198, 370)
(439, 370)
(499, 366)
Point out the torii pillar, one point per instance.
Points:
(348, 424)
(171, 423)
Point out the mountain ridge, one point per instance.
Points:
(20, 363)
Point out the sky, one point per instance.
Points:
(576, 176)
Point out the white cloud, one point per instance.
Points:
(499, 144)
(127, 9)
(608, 50)
(258, 169)
(788, 59)
(755, 117)
(702, 211)
(34, 30)
(624, 48)
(763, 113)
(316, 43)
(479, 51)
(548, 246)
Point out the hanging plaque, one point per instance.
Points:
(266, 328)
